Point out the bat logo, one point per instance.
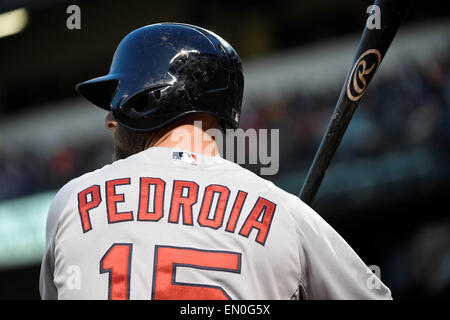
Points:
(362, 72)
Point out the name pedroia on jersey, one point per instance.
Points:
(183, 196)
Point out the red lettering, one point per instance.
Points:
(117, 262)
(167, 259)
(259, 218)
(186, 202)
(236, 211)
(112, 198)
(158, 199)
(219, 211)
(84, 206)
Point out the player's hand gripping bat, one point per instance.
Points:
(373, 45)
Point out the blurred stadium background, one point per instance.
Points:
(386, 191)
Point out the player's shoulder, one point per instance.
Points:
(293, 205)
(306, 219)
(62, 199)
(57, 206)
(99, 174)
(300, 212)
(69, 188)
(290, 202)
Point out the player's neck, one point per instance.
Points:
(191, 138)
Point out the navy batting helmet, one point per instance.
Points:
(163, 71)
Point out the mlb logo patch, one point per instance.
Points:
(185, 157)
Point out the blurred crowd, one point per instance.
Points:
(408, 109)
(24, 172)
(400, 111)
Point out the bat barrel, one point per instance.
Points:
(327, 148)
(372, 47)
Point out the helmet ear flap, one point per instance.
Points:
(98, 91)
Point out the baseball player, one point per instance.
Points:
(170, 218)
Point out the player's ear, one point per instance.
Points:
(110, 122)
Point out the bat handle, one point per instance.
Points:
(315, 176)
(314, 179)
(339, 122)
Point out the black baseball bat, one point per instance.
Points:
(381, 27)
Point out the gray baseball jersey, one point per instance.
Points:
(168, 224)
